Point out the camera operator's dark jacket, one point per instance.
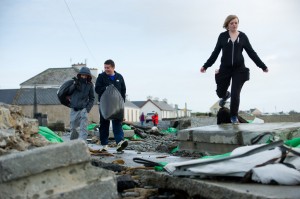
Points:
(232, 56)
(104, 80)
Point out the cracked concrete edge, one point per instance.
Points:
(76, 181)
(30, 162)
(215, 190)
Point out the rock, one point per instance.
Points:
(125, 182)
(37, 173)
(18, 133)
(108, 166)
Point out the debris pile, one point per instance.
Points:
(18, 133)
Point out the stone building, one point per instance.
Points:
(39, 95)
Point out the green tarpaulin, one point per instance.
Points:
(49, 134)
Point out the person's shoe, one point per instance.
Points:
(222, 102)
(104, 148)
(122, 145)
(234, 120)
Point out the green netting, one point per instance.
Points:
(49, 134)
(293, 142)
(160, 168)
(136, 137)
(91, 127)
(126, 127)
(175, 149)
(170, 130)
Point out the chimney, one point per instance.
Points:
(94, 72)
(78, 66)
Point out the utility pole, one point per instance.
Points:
(34, 101)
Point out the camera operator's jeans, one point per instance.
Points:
(104, 130)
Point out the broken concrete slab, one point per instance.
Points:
(213, 189)
(23, 164)
(17, 132)
(218, 139)
(128, 155)
(56, 171)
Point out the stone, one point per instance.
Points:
(125, 182)
(61, 170)
(17, 132)
(215, 189)
(218, 139)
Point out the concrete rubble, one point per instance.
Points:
(55, 171)
(32, 167)
(18, 133)
(64, 170)
(219, 139)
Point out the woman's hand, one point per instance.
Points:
(202, 69)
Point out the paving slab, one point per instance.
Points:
(222, 189)
(31, 162)
(217, 139)
(61, 170)
(128, 156)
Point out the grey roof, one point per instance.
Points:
(163, 105)
(53, 76)
(130, 104)
(7, 95)
(46, 96)
(139, 103)
(160, 104)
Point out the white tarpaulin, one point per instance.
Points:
(258, 121)
(241, 165)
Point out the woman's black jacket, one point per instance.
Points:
(232, 56)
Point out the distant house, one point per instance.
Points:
(215, 107)
(44, 86)
(55, 77)
(7, 95)
(255, 112)
(163, 109)
(131, 112)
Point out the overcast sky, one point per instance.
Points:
(158, 45)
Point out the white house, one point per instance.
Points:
(163, 109)
(131, 112)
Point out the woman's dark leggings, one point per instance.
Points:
(238, 78)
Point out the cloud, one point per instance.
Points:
(158, 46)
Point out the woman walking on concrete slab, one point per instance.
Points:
(232, 68)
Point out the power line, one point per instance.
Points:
(81, 35)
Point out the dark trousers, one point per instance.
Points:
(104, 130)
(238, 77)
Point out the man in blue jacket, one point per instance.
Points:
(110, 76)
(81, 103)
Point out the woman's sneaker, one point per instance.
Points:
(104, 148)
(222, 102)
(234, 120)
(122, 145)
